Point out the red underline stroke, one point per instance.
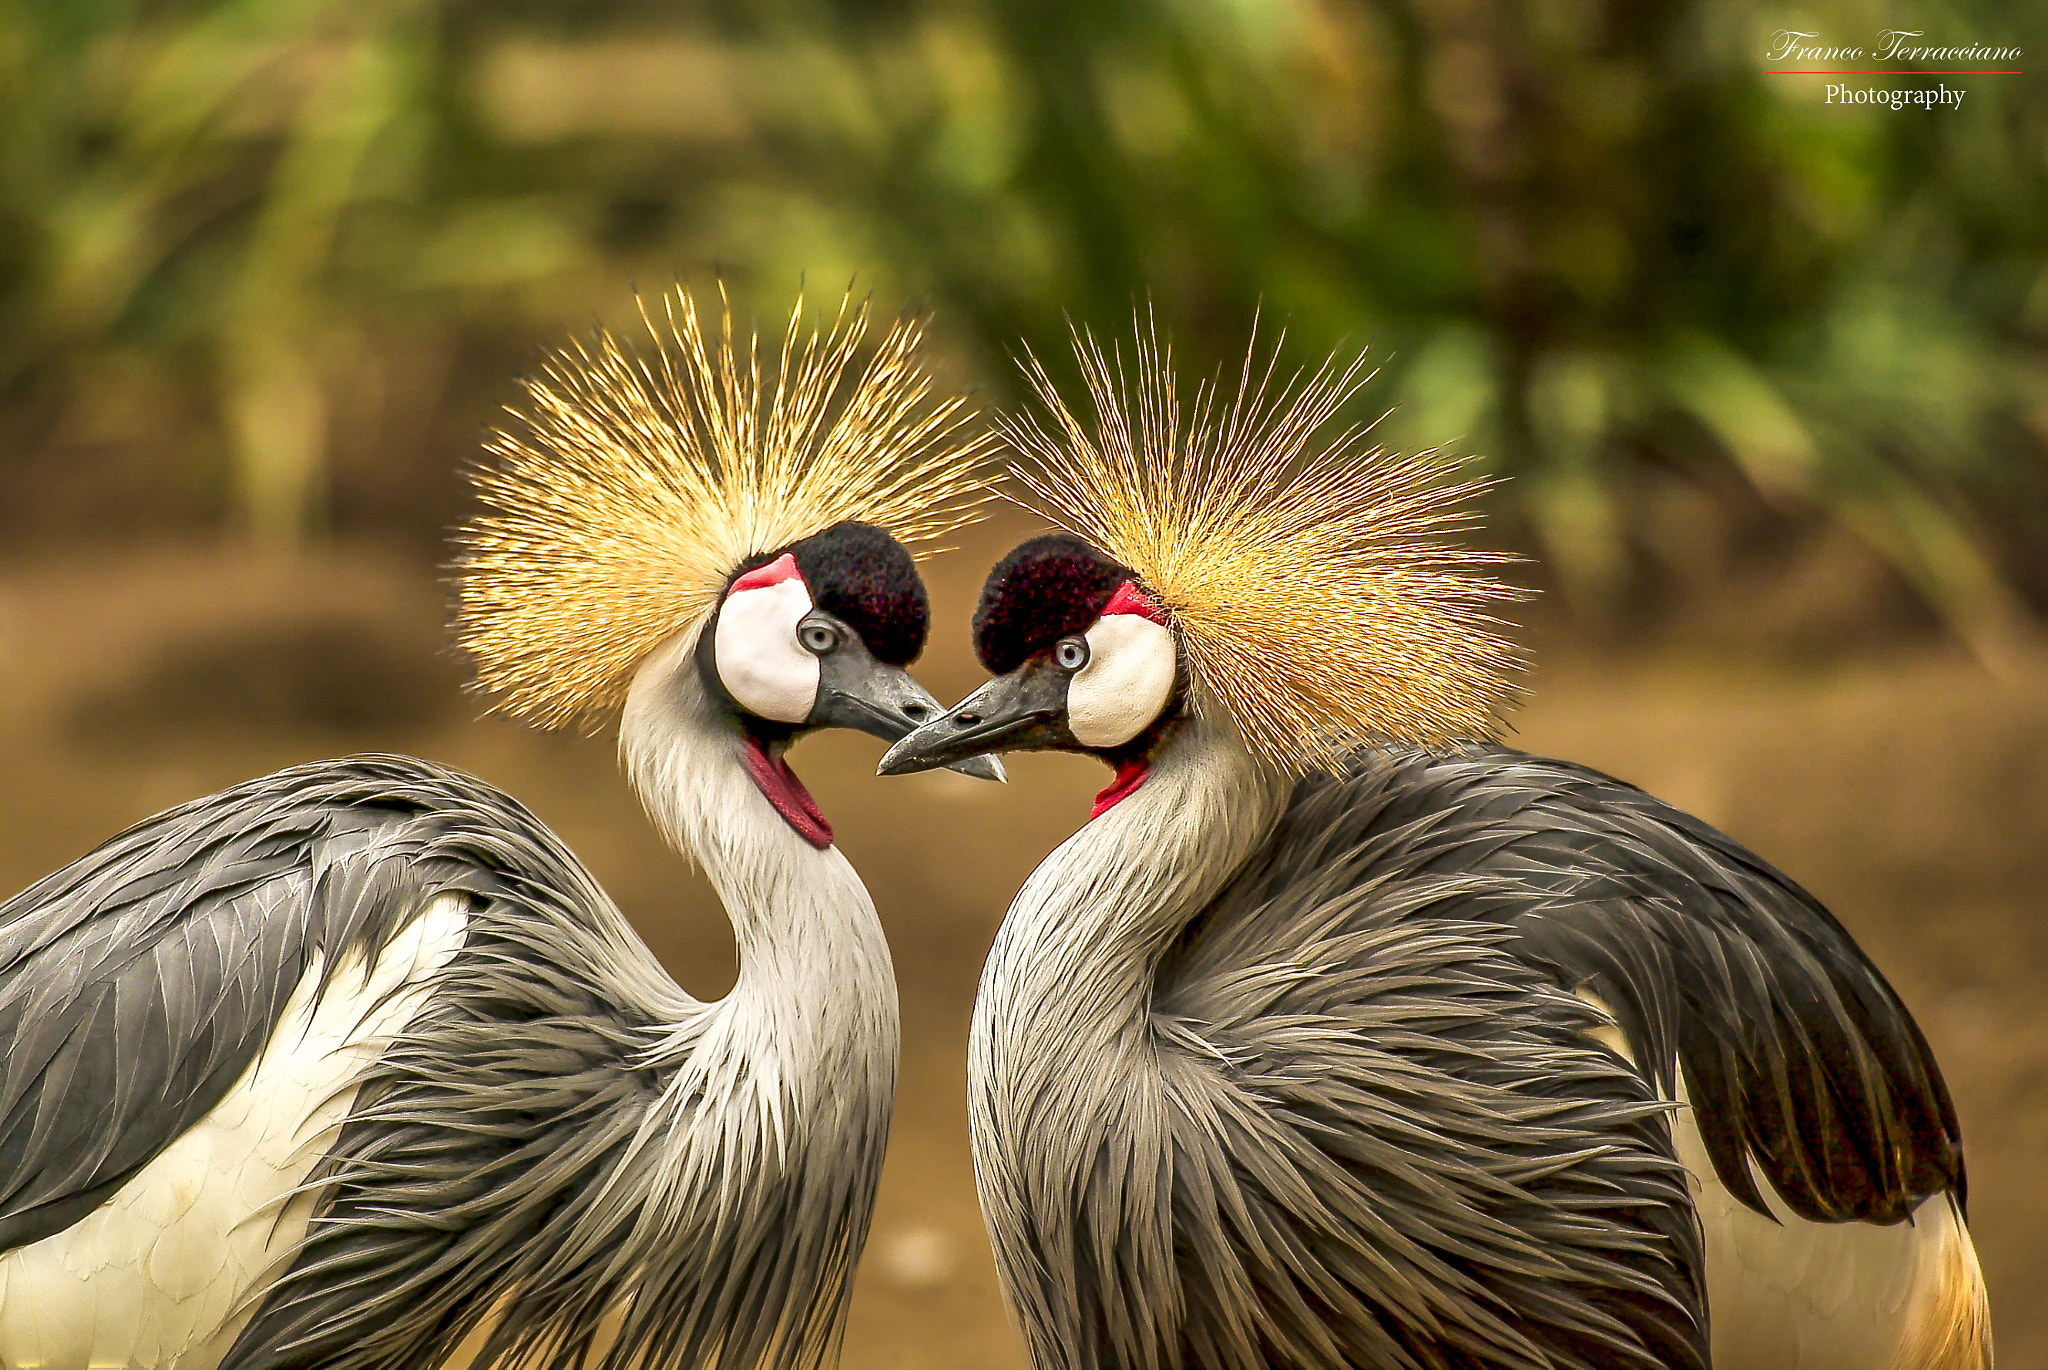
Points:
(1895, 73)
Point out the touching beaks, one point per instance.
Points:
(1022, 711)
(856, 691)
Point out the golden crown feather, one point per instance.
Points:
(1309, 582)
(639, 480)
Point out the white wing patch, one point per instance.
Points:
(164, 1274)
(1800, 1295)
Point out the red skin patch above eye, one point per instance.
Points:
(1129, 776)
(773, 777)
(761, 577)
(1129, 599)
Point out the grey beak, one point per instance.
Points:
(856, 691)
(1022, 711)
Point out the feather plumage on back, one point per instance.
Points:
(1341, 1035)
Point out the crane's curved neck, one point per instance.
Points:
(734, 1213)
(1077, 954)
(816, 990)
(1061, 1061)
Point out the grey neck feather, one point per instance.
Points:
(1084, 935)
(1062, 1023)
(1069, 978)
(815, 983)
(775, 1115)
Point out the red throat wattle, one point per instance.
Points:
(1129, 775)
(779, 783)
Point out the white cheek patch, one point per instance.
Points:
(1125, 684)
(760, 662)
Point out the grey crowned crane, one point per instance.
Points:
(1343, 1036)
(351, 1063)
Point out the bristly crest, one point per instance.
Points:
(1307, 580)
(641, 480)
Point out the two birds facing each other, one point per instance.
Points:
(1338, 1036)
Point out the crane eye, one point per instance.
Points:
(818, 639)
(1071, 653)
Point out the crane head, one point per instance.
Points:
(818, 635)
(1085, 659)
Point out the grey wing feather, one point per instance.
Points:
(1414, 1153)
(135, 987)
(140, 982)
(1411, 1132)
(489, 1150)
(1795, 1049)
(512, 1154)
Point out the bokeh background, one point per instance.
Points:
(1767, 380)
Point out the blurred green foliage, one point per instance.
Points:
(1593, 240)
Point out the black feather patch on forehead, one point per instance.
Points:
(864, 578)
(1045, 589)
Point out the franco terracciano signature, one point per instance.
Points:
(1893, 45)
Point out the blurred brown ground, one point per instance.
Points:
(1905, 786)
